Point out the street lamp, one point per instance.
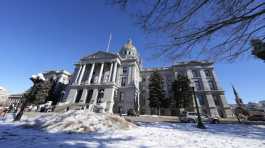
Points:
(199, 122)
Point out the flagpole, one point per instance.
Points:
(109, 42)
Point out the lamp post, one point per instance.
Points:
(199, 122)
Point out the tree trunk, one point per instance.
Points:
(238, 118)
(21, 111)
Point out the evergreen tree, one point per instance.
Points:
(53, 95)
(166, 101)
(182, 92)
(37, 94)
(156, 92)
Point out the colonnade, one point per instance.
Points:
(82, 68)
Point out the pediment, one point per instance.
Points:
(101, 55)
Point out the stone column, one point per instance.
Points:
(83, 97)
(78, 73)
(204, 80)
(109, 100)
(189, 74)
(226, 109)
(100, 73)
(91, 73)
(82, 74)
(114, 72)
(110, 72)
(134, 78)
(212, 107)
(93, 100)
(175, 75)
(129, 78)
(71, 95)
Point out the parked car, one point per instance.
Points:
(191, 117)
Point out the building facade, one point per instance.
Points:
(15, 99)
(209, 93)
(60, 79)
(107, 82)
(3, 96)
(116, 83)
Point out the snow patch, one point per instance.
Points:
(77, 121)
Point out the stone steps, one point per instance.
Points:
(73, 106)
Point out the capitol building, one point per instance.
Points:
(117, 82)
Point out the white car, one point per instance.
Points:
(191, 117)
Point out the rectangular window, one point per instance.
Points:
(201, 99)
(198, 85)
(123, 81)
(211, 85)
(195, 73)
(121, 97)
(182, 73)
(207, 73)
(124, 70)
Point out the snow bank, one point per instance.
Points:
(9, 117)
(77, 121)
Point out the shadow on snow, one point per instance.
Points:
(235, 130)
(11, 134)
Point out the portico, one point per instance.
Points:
(95, 81)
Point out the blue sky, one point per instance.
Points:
(40, 35)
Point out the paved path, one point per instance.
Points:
(152, 118)
(174, 119)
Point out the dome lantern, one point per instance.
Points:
(128, 50)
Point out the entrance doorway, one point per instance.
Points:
(89, 95)
(78, 96)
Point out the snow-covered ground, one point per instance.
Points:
(13, 135)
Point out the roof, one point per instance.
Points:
(100, 55)
(57, 72)
(179, 64)
(193, 62)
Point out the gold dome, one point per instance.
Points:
(128, 50)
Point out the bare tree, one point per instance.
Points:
(212, 29)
